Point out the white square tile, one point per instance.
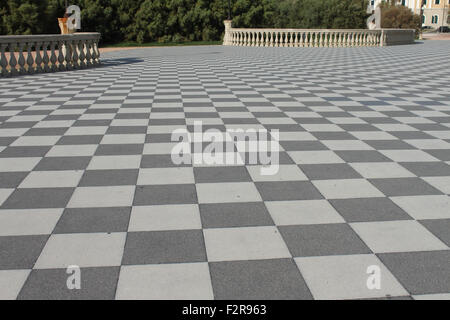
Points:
(28, 222)
(408, 155)
(440, 183)
(427, 144)
(346, 145)
(179, 175)
(373, 135)
(166, 217)
(347, 189)
(181, 281)
(18, 164)
(251, 243)
(346, 277)
(227, 192)
(425, 207)
(161, 148)
(373, 170)
(314, 157)
(72, 151)
(285, 173)
(322, 128)
(397, 236)
(11, 282)
(83, 250)
(303, 212)
(115, 162)
(35, 141)
(94, 197)
(81, 131)
(123, 139)
(52, 179)
(297, 136)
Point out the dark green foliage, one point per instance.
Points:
(179, 20)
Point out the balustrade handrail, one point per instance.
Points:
(273, 37)
(51, 53)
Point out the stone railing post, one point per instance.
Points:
(227, 36)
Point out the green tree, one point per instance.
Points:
(399, 17)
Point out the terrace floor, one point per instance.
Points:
(87, 179)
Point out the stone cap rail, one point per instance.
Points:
(28, 54)
(270, 37)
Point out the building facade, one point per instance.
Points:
(435, 12)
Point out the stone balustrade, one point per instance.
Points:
(315, 38)
(30, 54)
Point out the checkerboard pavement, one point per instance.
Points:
(86, 176)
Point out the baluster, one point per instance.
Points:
(38, 59)
(61, 55)
(320, 39)
(45, 58)
(89, 56)
(296, 39)
(75, 57)
(3, 61)
(21, 61)
(69, 54)
(12, 58)
(30, 59)
(97, 52)
(82, 55)
(271, 38)
(53, 58)
(300, 41)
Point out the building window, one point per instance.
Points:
(437, 1)
(423, 19)
(435, 19)
(403, 2)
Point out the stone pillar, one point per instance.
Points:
(227, 37)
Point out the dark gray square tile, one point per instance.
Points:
(11, 179)
(165, 194)
(440, 228)
(221, 174)
(20, 252)
(87, 220)
(22, 152)
(369, 209)
(389, 144)
(51, 284)
(77, 140)
(159, 161)
(428, 169)
(119, 149)
(404, 187)
(302, 145)
(230, 215)
(441, 154)
(277, 279)
(329, 171)
(420, 272)
(288, 190)
(38, 198)
(362, 156)
(157, 247)
(322, 240)
(124, 177)
(63, 163)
